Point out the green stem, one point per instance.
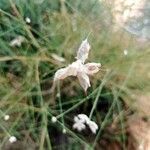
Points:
(106, 78)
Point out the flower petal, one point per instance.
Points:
(93, 126)
(84, 80)
(83, 51)
(83, 118)
(92, 68)
(71, 70)
(79, 126)
(76, 119)
(61, 74)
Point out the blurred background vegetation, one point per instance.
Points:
(119, 41)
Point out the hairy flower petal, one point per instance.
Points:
(71, 70)
(83, 51)
(61, 74)
(84, 80)
(92, 68)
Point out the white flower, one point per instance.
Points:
(79, 124)
(58, 95)
(17, 41)
(12, 139)
(125, 52)
(53, 119)
(78, 68)
(82, 120)
(64, 131)
(6, 117)
(28, 20)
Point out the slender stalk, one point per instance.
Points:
(60, 104)
(106, 78)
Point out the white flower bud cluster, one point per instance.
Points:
(12, 139)
(81, 121)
